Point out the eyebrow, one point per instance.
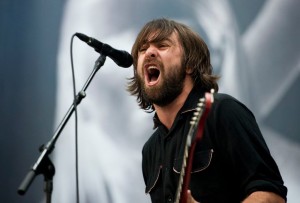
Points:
(145, 42)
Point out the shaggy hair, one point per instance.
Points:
(196, 56)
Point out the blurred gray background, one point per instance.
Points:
(254, 46)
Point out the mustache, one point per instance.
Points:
(152, 61)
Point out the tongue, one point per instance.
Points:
(153, 78)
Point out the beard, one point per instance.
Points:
(171, 85)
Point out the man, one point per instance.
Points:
(232, 162)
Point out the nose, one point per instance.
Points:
(151, 52)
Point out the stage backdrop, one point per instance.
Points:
(254, 47)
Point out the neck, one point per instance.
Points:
(167, 114)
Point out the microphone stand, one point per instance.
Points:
(44, 165)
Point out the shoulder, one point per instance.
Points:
(153, 141)
(227, 110)
(225, 104)
(222, 97)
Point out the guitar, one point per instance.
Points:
(197, 123)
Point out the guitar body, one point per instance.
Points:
(197, 126)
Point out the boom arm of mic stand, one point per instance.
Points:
(44, 165)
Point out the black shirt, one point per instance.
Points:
(230, 162)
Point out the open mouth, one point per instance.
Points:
(152, 74)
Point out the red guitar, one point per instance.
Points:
(197, 123)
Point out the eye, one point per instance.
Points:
(163, 45)
(143, 48)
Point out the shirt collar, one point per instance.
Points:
(190, 104)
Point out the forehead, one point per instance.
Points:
(158, 36)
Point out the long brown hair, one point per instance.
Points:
(196, 55)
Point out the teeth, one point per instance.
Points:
(152, 67)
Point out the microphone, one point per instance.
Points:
(120, 57)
